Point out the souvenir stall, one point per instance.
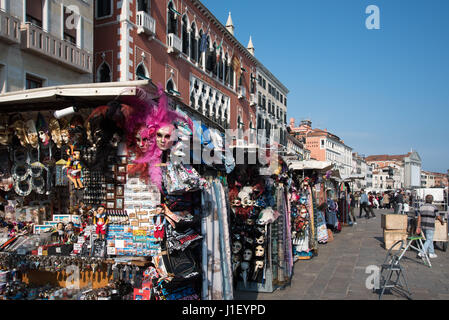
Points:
(260, 224)
(308, 209)
(99, 202)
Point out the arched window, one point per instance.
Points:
(141, 72)
(240, 127)
(207, 109)
(252, 132)
(172, 20)
(209, 58)
(170, 86)
(199, 56)
(193, 43)
(192, 100)
(185, 35)
(226, 69)
(104, 73)
(231, 75)
(214, 59)
(220, 65)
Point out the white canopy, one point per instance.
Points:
(310, 165)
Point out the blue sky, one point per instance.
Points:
(382, 91)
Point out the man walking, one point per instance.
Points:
(364, 205)
(386, 201)
(352, 206)
(426, 221)
(399, 202)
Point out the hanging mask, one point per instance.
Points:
(259, 251)
(236, 247)
(143, 143)
(245, 269)
(31, 132)
(20, 132)
(249, 240)
(303, 200)
(247, 255)
(236, 203)
(165, 137)
(250, 222)
(64, 130)
(236, 260)
(260, 239)
(258, 266)
(55, 131)
(42, 129)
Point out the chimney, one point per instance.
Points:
(230, 25)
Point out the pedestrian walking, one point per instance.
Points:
(399, 202)
(386, 201)
(426, 222)
(370, 207)
(365, 205)
(352, 206)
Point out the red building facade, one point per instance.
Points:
(180, 45)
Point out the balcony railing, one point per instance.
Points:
(36, 40)
(145, 23)
(241, 92)
(9, 28)
(174, 43)
(253, 99)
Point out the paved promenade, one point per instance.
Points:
(338, 272)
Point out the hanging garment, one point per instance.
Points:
(225, 248)
(321, 228)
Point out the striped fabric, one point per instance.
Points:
(428, 213)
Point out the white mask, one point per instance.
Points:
(236, 247)
(260, 251)
(247, 255)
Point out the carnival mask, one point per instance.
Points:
(65, 137)
(236, 247)
(247, 254)
(55, 132)
(303, 212)
(164, 137)
(258, 265)
(142, 142)
(42, 129)
(31, 133)
(259, 251)
(260, 240)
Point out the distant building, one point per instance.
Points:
(361, 169)
(324, 146)
(295, 147)
(433, 179)
(396, 171)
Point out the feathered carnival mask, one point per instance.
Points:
(152, 126)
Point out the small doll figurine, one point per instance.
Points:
(159, 222)
(74, 169)
(70, 233)
(101, 220)
(60, 232)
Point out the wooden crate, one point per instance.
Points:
(394, 222)
(440, 231)
(392, 236)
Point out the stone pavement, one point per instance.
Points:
(338, 272)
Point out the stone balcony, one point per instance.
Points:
(9, 28)
(174, 43)
(145, 23)
(40, 42)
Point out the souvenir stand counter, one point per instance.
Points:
(260, 225)
(98, 202)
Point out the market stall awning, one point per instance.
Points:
(310, 165)
(355, 177)
(57, 96)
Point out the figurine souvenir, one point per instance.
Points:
(60, 232)
(159, 222)
(74, 169)
(101, 221)
(258, 266)
(70, 233)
